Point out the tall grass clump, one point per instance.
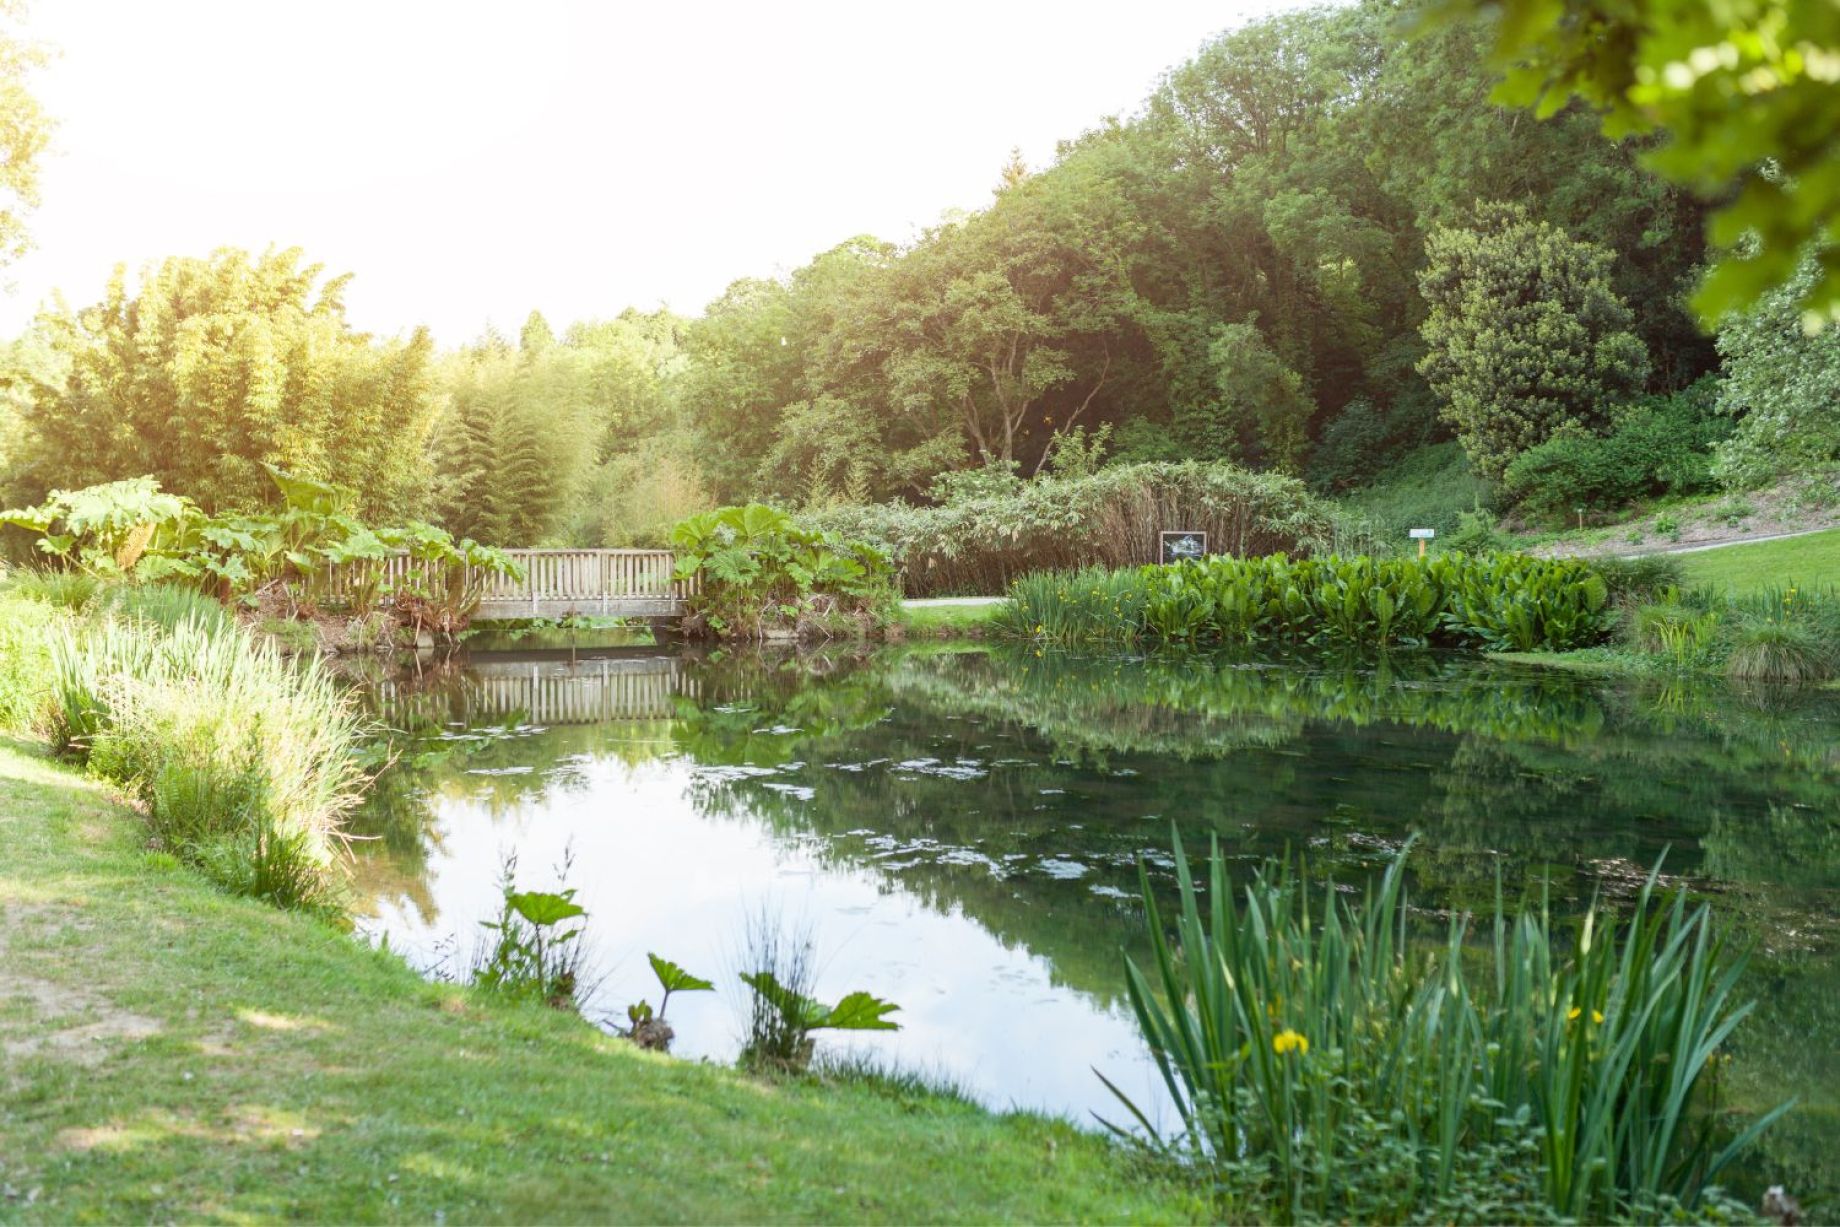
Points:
(1333, 1067)
(1091, 604)
(1785, 634)
(246, 762)
(66, 589)
(164, 605)
(27, 628)
(1492, 601)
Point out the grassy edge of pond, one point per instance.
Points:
(174, 1052)
(947, 621)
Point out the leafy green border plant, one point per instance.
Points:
(757, 572)
(1301, 1035)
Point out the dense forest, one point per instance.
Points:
(1317, 246)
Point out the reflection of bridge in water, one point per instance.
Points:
(547, 688)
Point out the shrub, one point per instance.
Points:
(1782, 387)
(1336, 1069)
(1492, 601)
(246, 763)
(758, 571)
(1657, 445)
(993, 530)
(1641, 578)
(1477, 532)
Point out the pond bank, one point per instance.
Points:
(176, 1053)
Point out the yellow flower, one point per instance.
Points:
(1289, 1041)
(1597, 1016)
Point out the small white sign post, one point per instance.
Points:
(1422, 535)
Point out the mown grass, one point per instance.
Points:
(1811, 561)
(947, 621)
(178, 1053)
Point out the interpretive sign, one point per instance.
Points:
(1179, 546)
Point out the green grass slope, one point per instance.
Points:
(172, 1053)
(1812, 561)
(1429, 488)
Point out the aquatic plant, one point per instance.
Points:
(531, 954)
(1303, 1036)
(1669, 627)
(1489, 601)
(648, 1029)
(783, 1012)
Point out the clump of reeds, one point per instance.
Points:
(245, 760)
(1341, 1070)
(164, 605)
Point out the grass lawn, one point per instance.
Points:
(1812, 561)
(946, 621)
(175, 1053)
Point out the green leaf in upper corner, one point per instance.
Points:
(675, 979)
(543, 909)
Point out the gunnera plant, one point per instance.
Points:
(782, 1013)
(534, 952)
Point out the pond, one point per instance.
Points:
(959, 829)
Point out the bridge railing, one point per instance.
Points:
(636, 582)
(561, 575)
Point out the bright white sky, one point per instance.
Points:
(470, 161)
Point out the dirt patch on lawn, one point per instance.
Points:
(66, 1022)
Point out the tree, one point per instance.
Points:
(217, 366)
(1260, 391)
(985, 316)
(24, 132)
(1525, 336)
(1746, 94)
(1783, 384)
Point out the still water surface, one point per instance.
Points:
(959, 830)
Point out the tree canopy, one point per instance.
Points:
(211, 368)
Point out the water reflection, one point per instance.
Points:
(961, 828)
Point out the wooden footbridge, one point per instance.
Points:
(600, 583)
(555, 584)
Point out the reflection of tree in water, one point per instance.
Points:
(1019, 790)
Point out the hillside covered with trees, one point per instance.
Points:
(1315, 248)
